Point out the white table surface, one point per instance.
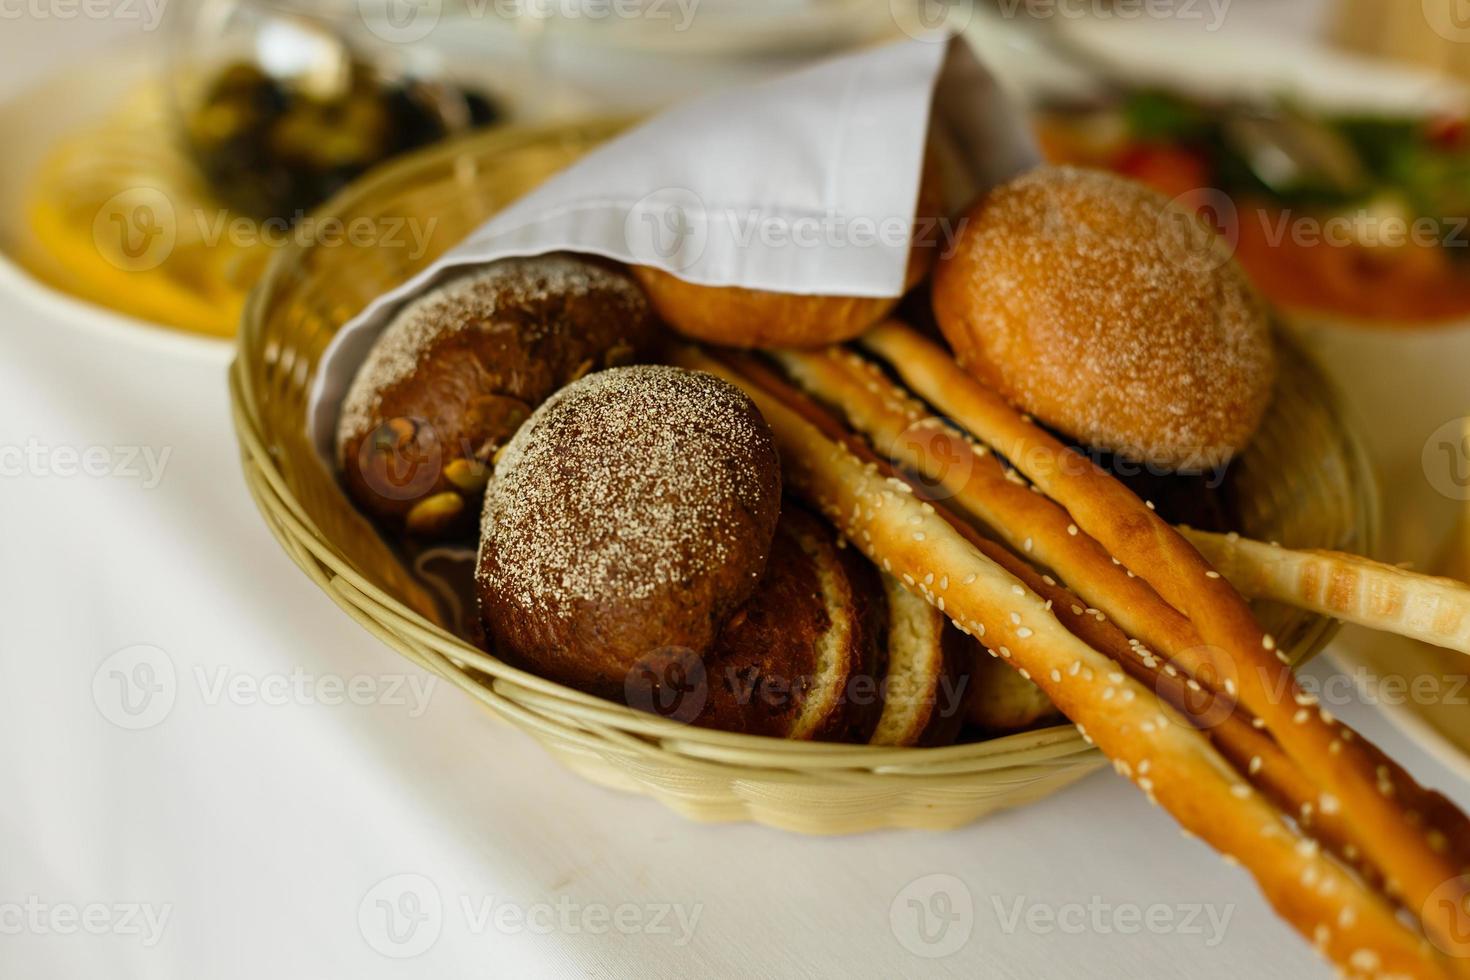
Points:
(254, 822)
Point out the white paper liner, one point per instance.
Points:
(803, 184)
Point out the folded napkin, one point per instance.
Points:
(802, 184)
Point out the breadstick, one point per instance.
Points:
(1150, 744)
(1358, 590)
(971, 479)
(880, 410)
(1415, 860)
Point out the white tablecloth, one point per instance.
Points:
(210, 771)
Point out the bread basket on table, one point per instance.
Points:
(1303, 482)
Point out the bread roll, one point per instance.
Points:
(1101, 309)
(732, 316)
(459, 369)
(633, 512)
(803, 657)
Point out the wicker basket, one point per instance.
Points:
(1304, 482)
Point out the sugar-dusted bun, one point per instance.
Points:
(1092, 303)
(632, 513)
(732, 316)
(461, 367)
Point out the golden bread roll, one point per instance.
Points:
(732, 316)
(1110, 314)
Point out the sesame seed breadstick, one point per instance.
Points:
(1150, 744)
(972, 480)
(884, 413)
(1349, 587)
(1416, 863)
(903, 428)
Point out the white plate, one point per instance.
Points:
(30, 124)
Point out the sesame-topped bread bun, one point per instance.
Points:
(460, 368)
(632, 513)
(1113, 316)
(733, 316)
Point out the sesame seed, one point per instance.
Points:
(1072, 529)
(1240, 791)
(1255, 765)
(1023, 632)
(1327, 803)
(1024, 673)
(1268, 641)
(1056, 676)
(918, 535)
(1212, 574)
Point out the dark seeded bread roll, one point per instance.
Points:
(803, 657)
(633, 512)
(459, 369)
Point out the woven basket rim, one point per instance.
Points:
(493, 681)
